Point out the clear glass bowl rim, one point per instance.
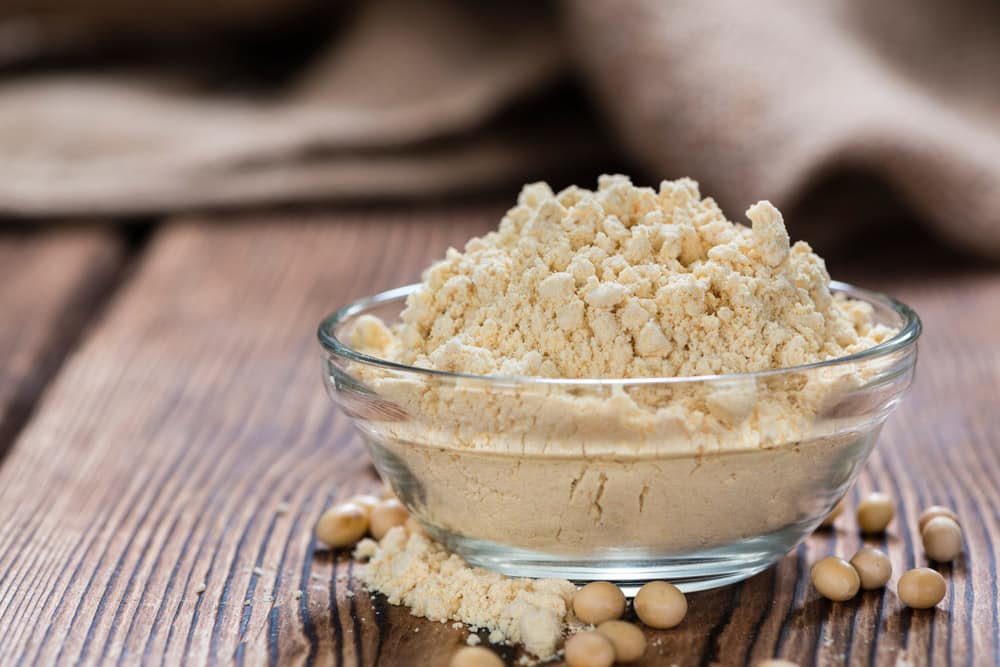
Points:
(905, 337)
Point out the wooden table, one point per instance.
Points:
(168, 446)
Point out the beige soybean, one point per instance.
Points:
(342, 525)
(385, 515)
(589, 649)
(873, 567)
(627, 638)
(475, 656)
(599, 601)
(921, 588)
(835, 579)
(875, 512)
(942, 539)
(935, 511)
(660, 605)
(365, 501)
(414, 526)
(837, 510)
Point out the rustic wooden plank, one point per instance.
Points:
(162, 456)
(50, 280)
(189, 443)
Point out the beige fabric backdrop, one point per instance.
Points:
(759, 100)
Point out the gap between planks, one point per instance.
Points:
(54, 281)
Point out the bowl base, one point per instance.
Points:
(629, 569)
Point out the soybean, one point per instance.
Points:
(921, 588)
(415, 527)
(875, 512)
(873, 567)
(342, 525)
(942, 539)
(589, 649)
(627, 638)
(660, 605)
(365, 501)
(475, 656)
(385, 515)
(835, 579)
(599, 601)
(935, 511)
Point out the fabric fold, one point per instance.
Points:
(406, 99)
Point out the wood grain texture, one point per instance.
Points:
(50, 281)
(162, 456)
(189, 445)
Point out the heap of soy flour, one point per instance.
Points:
(621, 282)
(625, 282)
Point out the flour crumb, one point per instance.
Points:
(258, 571)
(200, 588)
(365, 549)
(297, 594)
(281, 508)
(413, 570)
(473, 640)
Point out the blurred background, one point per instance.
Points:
(851, 116)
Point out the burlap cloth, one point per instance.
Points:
(118, 108)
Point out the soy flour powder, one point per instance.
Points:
(411, 569)
(626, 282)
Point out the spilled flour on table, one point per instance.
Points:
(414, 570)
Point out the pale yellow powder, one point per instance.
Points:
(625, 282)
(622, 282)
(410, 569)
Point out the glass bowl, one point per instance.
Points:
(702, 481)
